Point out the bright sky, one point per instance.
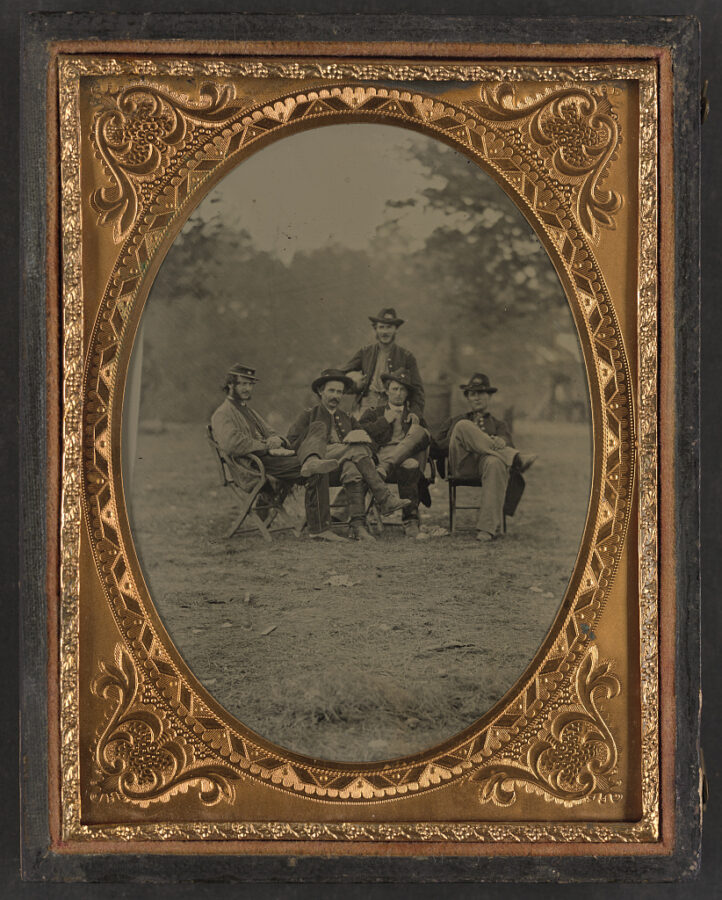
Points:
(327, 185)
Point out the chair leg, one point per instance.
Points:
(238, 521)
(262, 527)
(452, 506)
(246, 501)
(283, 517)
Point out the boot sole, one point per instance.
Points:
(323, 467)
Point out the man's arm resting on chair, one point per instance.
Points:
(234, 437)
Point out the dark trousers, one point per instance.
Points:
(318, 507)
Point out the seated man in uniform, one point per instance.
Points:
(480, 445)
(348, 445)
(401, 446)
(368, 364)
(239, 430)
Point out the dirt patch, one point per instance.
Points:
(356, 652)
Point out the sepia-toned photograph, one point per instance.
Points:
(357, 443)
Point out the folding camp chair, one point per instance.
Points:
(262, 505)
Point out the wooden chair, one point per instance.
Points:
(263, 504)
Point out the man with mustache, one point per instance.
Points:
(347, 444)
(368, 364)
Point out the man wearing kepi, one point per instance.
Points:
(347, 444)
(480, 445)
(239, 430)
(401, 445)
(383, 356)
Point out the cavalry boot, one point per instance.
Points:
(314, 465)
(411, 527)
(524, 461)
(409, 490)
(385, 500)
(355, 491)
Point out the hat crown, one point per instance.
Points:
(480, 379)
(400, 375)
(241, 369)
(478, 382)
(331, 375)
(387, 315)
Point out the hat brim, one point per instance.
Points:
(377, 321)
(466, 388)
(387, 376)
(243, 375)
(319, 382)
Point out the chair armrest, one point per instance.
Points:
(256, 462)
(252, 461)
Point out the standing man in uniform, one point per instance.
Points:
(349, 446)
(383, 356)
(239, 430)
(480, 445)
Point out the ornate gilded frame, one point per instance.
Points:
(572, 754)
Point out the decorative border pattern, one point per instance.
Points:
(647, 300)
(547, 200)
(551, 688)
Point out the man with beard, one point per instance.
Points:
(480, 445)
(401, 446)
(347, 444)
(371, 362)
(239, 430)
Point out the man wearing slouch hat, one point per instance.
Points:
(368, 364)
(347, 444)
(480, 445)
(400, 443)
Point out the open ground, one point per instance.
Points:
(350, 651)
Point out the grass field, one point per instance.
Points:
(427, 637)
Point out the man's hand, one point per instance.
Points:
(414, 419)
(356, 377)
(275, 442)
(497, 442)
(281, 451)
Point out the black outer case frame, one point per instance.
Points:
(39, 861)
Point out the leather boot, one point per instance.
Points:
(355, 491)
(385, 500)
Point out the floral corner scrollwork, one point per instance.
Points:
(136, 757)
(136, 130)
(580, 132)
(574, 758)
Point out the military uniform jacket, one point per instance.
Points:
(365, 362)
(343, 422)
(381, 430)
(234, 434)
(491, 425)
